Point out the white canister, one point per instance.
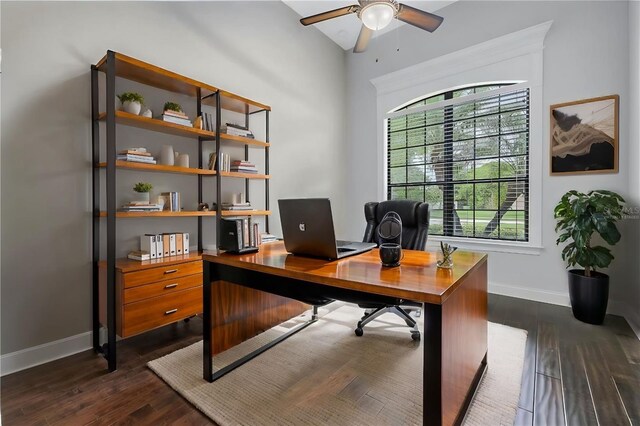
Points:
(166, 156)
(182, 160)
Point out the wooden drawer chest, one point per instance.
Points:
(153, 293)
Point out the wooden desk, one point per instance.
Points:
(454, 308)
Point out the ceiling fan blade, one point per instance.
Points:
(336, 13)
(419, 18)
(363, 39)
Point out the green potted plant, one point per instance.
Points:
(579, 216)
(172, 106)
(131, 102)
(143, 189)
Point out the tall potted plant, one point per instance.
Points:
(579, 216)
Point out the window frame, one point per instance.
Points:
(448, 122)
(516, 57)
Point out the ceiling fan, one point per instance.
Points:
(377, 14)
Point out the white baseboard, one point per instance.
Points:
(557, 298)
(36, 355)
(545, 296)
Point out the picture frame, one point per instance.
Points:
(584, 136)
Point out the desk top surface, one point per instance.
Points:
(417, 278)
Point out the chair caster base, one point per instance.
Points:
(415, 336)
(359, 331)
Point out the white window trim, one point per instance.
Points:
(513, 57)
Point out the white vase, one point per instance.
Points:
(182, 160)
(147, 113)
(132, 107)
(166, 156)
(142, 196)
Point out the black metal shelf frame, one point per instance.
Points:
(108, 349)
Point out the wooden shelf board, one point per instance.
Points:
(156, 125)
(130, 265)
(161, 214)
(236, 103)
(159, 168)
(145, 73)
(243, 140)
(244, 175)
(246, 213)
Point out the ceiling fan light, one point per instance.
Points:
(376, 16)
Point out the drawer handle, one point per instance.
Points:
(170, 271)
(171, 285)
(172, 311)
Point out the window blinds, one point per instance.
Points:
(465, 152)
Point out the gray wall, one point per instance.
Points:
(257, 49)
(585, 56)
(634, 157)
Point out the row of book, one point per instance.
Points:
(171, 201)
(242, 166)
(243, 229)
(176, 118)
(208, 122)
(225, 162)
(141, 206)
(156, 246)
(136, 155)
(236, 130)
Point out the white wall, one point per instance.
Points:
(258, 50)
(633, 299)
(585, 56)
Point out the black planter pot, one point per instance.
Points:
(589, 295)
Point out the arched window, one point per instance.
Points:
(466, 153)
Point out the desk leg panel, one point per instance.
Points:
(464, 344)
(207, 326)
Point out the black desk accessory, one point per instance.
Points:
(390, 238)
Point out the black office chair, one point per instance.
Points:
(415, 228)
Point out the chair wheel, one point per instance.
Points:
(415, 336)
(359, 331)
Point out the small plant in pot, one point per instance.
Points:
(131, 102)
(172, 106)
(579, 216)
(142, 189)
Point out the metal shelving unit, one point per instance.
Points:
(114, 65)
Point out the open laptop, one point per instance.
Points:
(307, 228)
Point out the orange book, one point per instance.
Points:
(166, 244)
(178, 243)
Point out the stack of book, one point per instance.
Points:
(267, 238)
(243, 167)
(141, 206)
(236, 130)
(176, 117)
(139, 255)
(136, 155)
(237, 206)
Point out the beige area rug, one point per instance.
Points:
(326, 375)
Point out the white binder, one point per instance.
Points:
(148, 244)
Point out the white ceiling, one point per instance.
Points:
(345, 29)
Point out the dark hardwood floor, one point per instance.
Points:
(574, 374)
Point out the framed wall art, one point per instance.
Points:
(584, 136)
